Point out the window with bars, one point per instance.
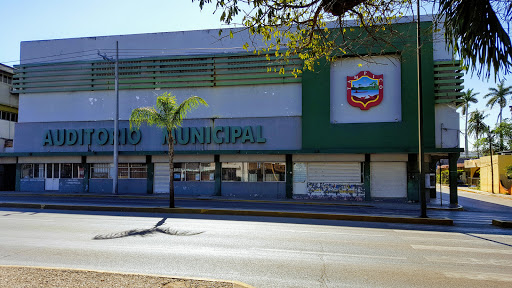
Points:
(254, 171)
(124, 171)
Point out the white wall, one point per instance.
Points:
(389, 110)
(169, 43)
(447, 126)
(224, 102)
(6, 129)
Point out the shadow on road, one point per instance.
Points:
(146, 232)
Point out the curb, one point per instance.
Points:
(236, 284)
(458, 208)
(322, 216)
(502, 223)
(199, 198)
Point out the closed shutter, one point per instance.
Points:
(388, 179)
(332, 172)
(161, 183)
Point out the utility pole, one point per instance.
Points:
(116, 119)
(492, 166)
(421, 154)
(116, 125)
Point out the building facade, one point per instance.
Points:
(8, 118)
(347, 130)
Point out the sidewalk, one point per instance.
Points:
(439, 212)
(374, 211)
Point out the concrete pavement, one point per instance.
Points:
(497, 207)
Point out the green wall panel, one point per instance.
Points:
(318, 133)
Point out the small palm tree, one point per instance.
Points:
(499, 96)
(169, 115)
(469, 97)
(477, 126)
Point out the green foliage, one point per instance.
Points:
(443, 177)
(509, 171)
(477, 127)
(300, 26)
(472, 27)
(167, 114)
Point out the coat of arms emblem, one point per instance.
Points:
(365, 90)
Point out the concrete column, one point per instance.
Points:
(150, 174)
(18, 176)
(367, 178)
(218, 175)
(413, 182)
(289, 176)
(85, 187)
(452, 162)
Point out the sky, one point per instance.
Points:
(27, 20)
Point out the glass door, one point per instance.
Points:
(52, 177)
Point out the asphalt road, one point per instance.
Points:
(264, 252)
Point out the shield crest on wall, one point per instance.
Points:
(365, 90)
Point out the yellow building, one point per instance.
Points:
(499, 171)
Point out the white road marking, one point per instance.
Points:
(334, 233)
(331, 254)
(462, 249)
(460, 260)
(480, 276)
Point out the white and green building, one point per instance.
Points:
(348, 130)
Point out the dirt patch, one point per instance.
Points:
(16, 276)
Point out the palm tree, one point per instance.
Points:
(477, 126)
(499, 96)
(469, 97)
(169, 115)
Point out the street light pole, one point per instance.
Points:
(421, 153)
(116, 125)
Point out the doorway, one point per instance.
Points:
(51, 182)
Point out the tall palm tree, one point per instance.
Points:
(477, 126)
(167, 114)
(469, 97)
(499, 96)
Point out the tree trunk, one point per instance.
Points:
(501, 134)
(466, 142)
(170, 145)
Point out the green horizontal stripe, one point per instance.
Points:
(255, 82)
(449, 94)
(457, 87)
(449, 68)
(450, 62)
(451, 81)
(444, 75)
(442, 101)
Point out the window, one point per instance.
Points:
(100, 170)
(32, 171)
(194, 171)
(207, 171)
(27, 171)
(275, 172)
(78, 170)
(232, 171)
(179, 168)
(124, 170)
(66, 170)
(138, 170)
(253, 171)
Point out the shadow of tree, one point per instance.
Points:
(146, 232)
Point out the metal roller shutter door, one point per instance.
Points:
(161, 183)
(332, 172)
(388, 179)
